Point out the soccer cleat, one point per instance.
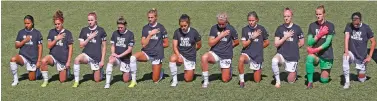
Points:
(277, 85)
(132, 84)
(75, 84)
(242, 84)
(309, 86)
(174, 84)
(346, 85)
(107, 86)
(14, 83)
(205, 85)
(44, 84)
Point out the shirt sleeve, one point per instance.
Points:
(104, 35)
(300, 33)
(82, 36)
(113, 38)
(244, 35)
(370, 33)
(132, 40)
(265, 34)
(198, 37)
(19, 37)
(234, 34)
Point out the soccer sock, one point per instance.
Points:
(173, 70)
(205, 77)
(76, 72)
(275, 69)
(310, 68)
(109, 70)
(242, 78)
(45, 75)
(133, 66)
(346, 69)
(13, 67)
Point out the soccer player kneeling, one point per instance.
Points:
(356, 39)
(122, 42)
(185, 44)
(288, 39)
(254, 40)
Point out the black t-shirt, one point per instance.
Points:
(314, 29)
(30, 49)
(94, 47)
(359, 40)
(289, 49)
(187, 42)
(223, 48)
(60, 50)
(255, 48)
(155, 46)
(122, 41)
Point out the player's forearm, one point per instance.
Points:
(213, 41)
(145, 41)
(279, 42)
(327, 42)
(372, 46)
(175, 47)
(103, 50)
(128, 51)
(301, 43)
(51, 44)
(70, 50)
(198, 45)
(346, 40)
(40, 47)
(266, 43)
(20, 44)
(246, 43)
(236, 43)
(112, 48)
(311, 40)
(83, 43)
(165, 42)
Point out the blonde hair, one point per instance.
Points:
(153, 10)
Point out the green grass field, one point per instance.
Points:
(203, 16)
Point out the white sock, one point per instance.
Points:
(205, 77)
(242, 77)
(109, 70)
(45, 75)
(133, 66)
(76, 72)
(275, 69)
(346, 69)
(173, 70)
(13, 68)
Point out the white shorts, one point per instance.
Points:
(189, 65)
(224, 63)
(290, 66)
(352, 60)
(58, 65)
(93, 65)
(253, 65)
(122, 66)
(153, 60)
(29, 66)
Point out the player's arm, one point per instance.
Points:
(165, 42)
(279, 41)
(372, 46)
(266, 43)
(70, 51)
(198, 45)
(175, 47)
(301, 42)
(103, 50)
(324, 45)
(213, 40)
(311, 40)
(236, 42)
(128, 51)
(112, 48)
(21, 43)
(346, 41)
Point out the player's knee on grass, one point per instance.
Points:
(97, 76)
(155, 73)
(291, 77)
(63, 75)
(126, 77)
(189, 75)
(257, 75)
(225, 74)
(111, 60)
(32, 75)
(325, 76)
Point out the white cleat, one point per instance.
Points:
(346, 85)
(107, 86)
(174, 84)
(205, 85)
(14, 83)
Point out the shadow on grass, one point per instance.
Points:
(353, 77)
(283, 77)
(374, 56)
(148, 76)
